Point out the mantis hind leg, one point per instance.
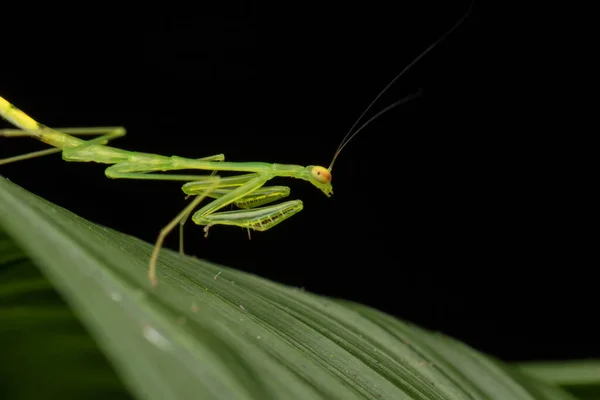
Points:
(107, 134)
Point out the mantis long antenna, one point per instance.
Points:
(386, 109)
(351, 133)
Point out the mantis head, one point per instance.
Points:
(320, 177)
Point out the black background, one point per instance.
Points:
(441, 213)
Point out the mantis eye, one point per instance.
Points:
(322, 175)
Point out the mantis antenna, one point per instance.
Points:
(352, 133)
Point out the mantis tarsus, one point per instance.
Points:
(246, 191)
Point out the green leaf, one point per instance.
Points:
(212, 332)
(579, 377)
(42, 340)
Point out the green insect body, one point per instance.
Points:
(247, 191)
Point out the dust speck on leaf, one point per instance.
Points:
(116, 296)
(154, 337)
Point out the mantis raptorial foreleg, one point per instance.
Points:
(258, 219)
(261, 218)
(259, 197)
(107, 134)
(252, 216)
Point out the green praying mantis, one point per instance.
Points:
(247, 191)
